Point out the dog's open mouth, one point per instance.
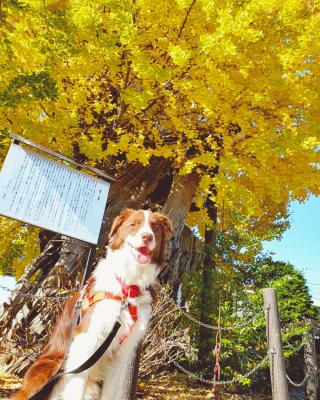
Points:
(142, 254)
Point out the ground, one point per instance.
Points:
(172, 387)
(178, 387)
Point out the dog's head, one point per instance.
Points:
(144, 233)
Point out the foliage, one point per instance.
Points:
(224, 89)
(239, 295)
(20, 246)
(28, 87)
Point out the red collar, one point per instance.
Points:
(128, 290)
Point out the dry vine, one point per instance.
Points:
(166, 339)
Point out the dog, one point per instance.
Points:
(136, 252)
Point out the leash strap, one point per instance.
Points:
(46, 389)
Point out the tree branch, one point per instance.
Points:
(186, 19)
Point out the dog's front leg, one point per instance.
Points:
(115, 383)
(73, 386)
(100, 324)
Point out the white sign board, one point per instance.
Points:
(50, 195)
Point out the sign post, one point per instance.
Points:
(48, 194)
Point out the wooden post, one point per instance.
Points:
(277, 367)
(128, 378)
(310, 358)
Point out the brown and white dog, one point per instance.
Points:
(137, 248)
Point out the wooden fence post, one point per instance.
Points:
(277, 367)
(310, 358)
(128, 377)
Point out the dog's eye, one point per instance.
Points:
(133, 224)
(155, 228)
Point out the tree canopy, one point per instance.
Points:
(222, 89)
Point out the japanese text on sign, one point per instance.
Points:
(50, 195)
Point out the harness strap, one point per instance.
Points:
(46, 389)
(89, 301)
(129, 291)
(97, 296)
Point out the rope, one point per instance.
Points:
(309, 372)
(223, 383)
(297, 384)
(190, 317)
(216, 374)
(34, 296)
(272, 354)
(303, 342)
(212, 327)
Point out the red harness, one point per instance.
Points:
(129, 291)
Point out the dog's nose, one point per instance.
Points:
(146, 237)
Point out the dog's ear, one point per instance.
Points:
(167, 225)
(118, 221)
(167, 232)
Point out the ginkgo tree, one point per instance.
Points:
(224, 91)
(205, 84)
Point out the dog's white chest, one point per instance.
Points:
(129, 335)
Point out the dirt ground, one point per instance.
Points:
(173, 387)
(177, 387)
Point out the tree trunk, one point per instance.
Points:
(207, 295)
(186, 251)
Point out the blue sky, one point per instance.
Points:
(300, 245)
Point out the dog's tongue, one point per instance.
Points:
(143, 256)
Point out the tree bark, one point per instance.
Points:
(176, 207)
(207, 295)
(186, 250)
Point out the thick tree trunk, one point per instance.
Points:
(176, 207)
(186, 250)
